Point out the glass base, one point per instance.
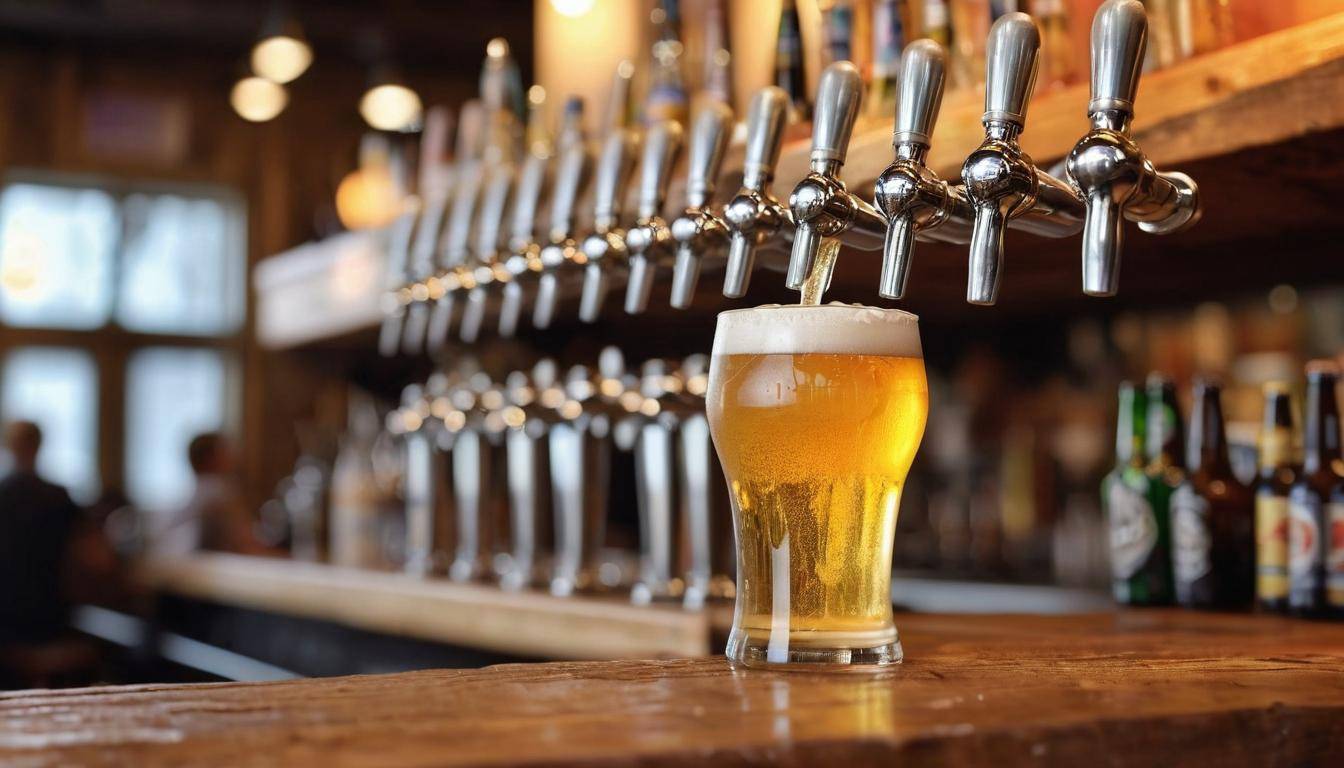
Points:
(744, 651)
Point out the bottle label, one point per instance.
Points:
(1133, 529)
(1271, 547)
(1304, 533)
(1190, 538)
(1334, 515)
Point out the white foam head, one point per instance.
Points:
(835, 329)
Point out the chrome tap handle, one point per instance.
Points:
(766, 119)
(453, 253)
(708, 141)
(1119, 40)
(569, 175)
(606, 244)
(821, 205)
(661, 144)
(569, 178)
(919, 93)
(839, 95)
(697, 229)
(1110, 170)
(650, 235)
(526, 201)
(753, 215)
(1011, 59)
(614, 167)
(919, 96)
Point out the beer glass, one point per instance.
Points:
(816, 413)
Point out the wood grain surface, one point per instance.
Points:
(1133, 688)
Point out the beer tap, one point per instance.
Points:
(425, 480)
(649, 241)
(914, 200)
(523, 248)
(755, 215)
(703, 494)
(487, 264)
(698, 232)
(1001, 182)
(822, 207)
(1116, 179)
(605, 248)
(454, 250)
(529, 477)
(580, 453)
(477, 473)
(656, 490)
(439, 180)
(562, 251)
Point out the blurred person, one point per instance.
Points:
(216, 517)
(37, 519)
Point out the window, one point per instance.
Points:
(58, 390)
(121, 308)
(48, 236)
(158, 475)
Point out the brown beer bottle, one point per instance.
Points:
(1212, 516)
(789, 73)
(1308, 531)
(1278, 471)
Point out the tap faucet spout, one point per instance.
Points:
(699, 233)
(754, 215)
(1001, 182)
(650, 240)
(1114, 176)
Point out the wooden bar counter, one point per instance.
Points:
(1130, 688)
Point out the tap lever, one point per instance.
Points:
(1119, 40)
(754, 214)
(1011, 59)
(651, 239)
(821, 205)
(569, 178)
(911, 196)
(698, 231)
(1109, 169)
(605, 247)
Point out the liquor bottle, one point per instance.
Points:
(1278, 471)
(1148, 543)
(1163, 47)
(1057, 64)
(667, 91)
(1212, 516)
(1127, 512)
(789, 72)
(999, 8)
(938, 28)
(718, 72)
(1308, 533)
(888, 43)
(838, 31)
(970, 33)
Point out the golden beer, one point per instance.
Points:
(816, 414)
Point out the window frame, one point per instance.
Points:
(112, 346)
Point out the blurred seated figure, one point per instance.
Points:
(216, 517)
(36, 523)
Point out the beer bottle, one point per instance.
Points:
(789, 74)
(838, 31)
(1277, 473)
(888, 42)
(1307, 529)
(1147, 541)
(1212, 516)
(1122, 498)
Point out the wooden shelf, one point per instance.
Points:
(1259, 125)
(528, 624)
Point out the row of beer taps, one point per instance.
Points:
(509, 480)
(1107, 179)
